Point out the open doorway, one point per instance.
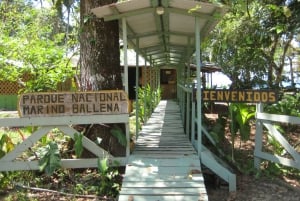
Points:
(168, 83)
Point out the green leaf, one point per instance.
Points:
(287, 12)
(86, 18)
(78, 144)
(118, 133)
(50, 160)
(102, 166)
(194, 9)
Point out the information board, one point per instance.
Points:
(73, 103)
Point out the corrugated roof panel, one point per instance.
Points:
(196, 6)
(143, 23)
(178, 40)
(183, 23)
(149, 41)
(161, 35)
(133, 5)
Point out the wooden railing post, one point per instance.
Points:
(258, 137)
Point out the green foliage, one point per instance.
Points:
(240, 115)
(78, 144)
(218, 129)
(252, 41)
(119, 134)
(148, 100)
(102, 166)
(6, 145)
(288, 105)
(50, 158)
(32, 44)
(107, 184)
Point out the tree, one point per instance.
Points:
(252, 41)
(99, 49)
(30, 42)
(100, 65)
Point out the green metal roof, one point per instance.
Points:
(166, 39)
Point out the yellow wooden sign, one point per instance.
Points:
(249, 96)
(73, 103)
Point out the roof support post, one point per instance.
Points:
(125, 80)
(188, 62)
(199, 103)
(137, 90)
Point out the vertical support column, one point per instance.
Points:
(178, 83)
(258, 137)
(188, 113)
(145, 84)
(127, 139)
(157, 77)
(124, 27)
(137, 91)
(199, 103)
(193, 120)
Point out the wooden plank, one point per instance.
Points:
(163, 149)
(163, 198)
(163, 184)
(278, 118)
(133, 171)
(185, 145)
(170, 153)
(165, 178)
(65, 163)
(184, 161)
(64, 120)
(164, 191)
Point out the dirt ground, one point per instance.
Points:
(251, 189)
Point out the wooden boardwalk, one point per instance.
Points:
(164, 165)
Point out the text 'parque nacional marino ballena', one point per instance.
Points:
(73, 103)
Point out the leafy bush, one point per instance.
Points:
(288, 105)
(50, 158)
(148, 100)
(32, 45)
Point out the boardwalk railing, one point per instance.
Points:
(11, 161)
(189, 116)
(264, 120)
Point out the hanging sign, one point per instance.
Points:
(249, 96)
(73, 103)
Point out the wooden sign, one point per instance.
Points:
(73, 103)
(249, 96)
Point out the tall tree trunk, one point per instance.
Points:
(100, 66)
(99, 49)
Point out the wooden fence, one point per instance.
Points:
(11, 161)
(268, 121)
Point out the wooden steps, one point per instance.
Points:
(163, 166)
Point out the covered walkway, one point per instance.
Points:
(164, 165)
